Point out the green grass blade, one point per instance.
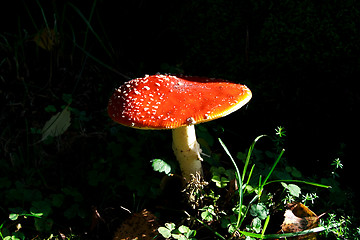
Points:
(300, 181)
(100, 62)
(238, 176)
(31, 16)
(273, 167)
(265, 226)
(90, 17)
(90, 28)
(283, 235)
(250, 174)
(43, 15)
(249, 155)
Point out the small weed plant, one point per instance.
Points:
(182, 232)
(254, 195)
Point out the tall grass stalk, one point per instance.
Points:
(239, 179)
(43, 15)
(285, 235)
(262, 184)
(89, 21)
(248, 158)
(89, 27)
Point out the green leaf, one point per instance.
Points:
(166, 233)
(256, 225)
(170, 226)
(259, 210)
(16, 212)
(217, 171)
(229, 222)
(13, 216)
(67, 98)
(160, 165)
(15, 236)
(294, 172)
(220, 182)
(50, 109)
(178, 236)
(72, 211)
(57, 124)
(43, 224)
(208, 214)
(57, 199)
(184, 229)
(190, 234)
(40, 208)
(70, 191)
(292, 189)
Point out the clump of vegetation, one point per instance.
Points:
(253, 197)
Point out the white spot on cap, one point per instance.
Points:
(190, 121)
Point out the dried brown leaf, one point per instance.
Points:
(142, 225)
(298, 218)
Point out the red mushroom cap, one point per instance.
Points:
(165, 101)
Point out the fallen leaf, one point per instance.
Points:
(298, 218)
(142, 225)
(57, 124)
(46, 39)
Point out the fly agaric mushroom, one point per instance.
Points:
(177, 103)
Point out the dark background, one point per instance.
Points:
(301, 59)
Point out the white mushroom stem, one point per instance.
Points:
(187, 151)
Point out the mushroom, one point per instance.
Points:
(177, 103)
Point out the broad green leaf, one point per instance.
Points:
(256, 224)
(170, 226)
(208, 213)
(43, 224)
(178, 236)
(13, 216)
(165, 232)
(57, 199)
(160, 165)
(72, 211)
(67, 98)
(50, 109)
(15, 236)
(259, 210)
(293, 189)
(57, 124)
(221, 182)
(184, 229)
